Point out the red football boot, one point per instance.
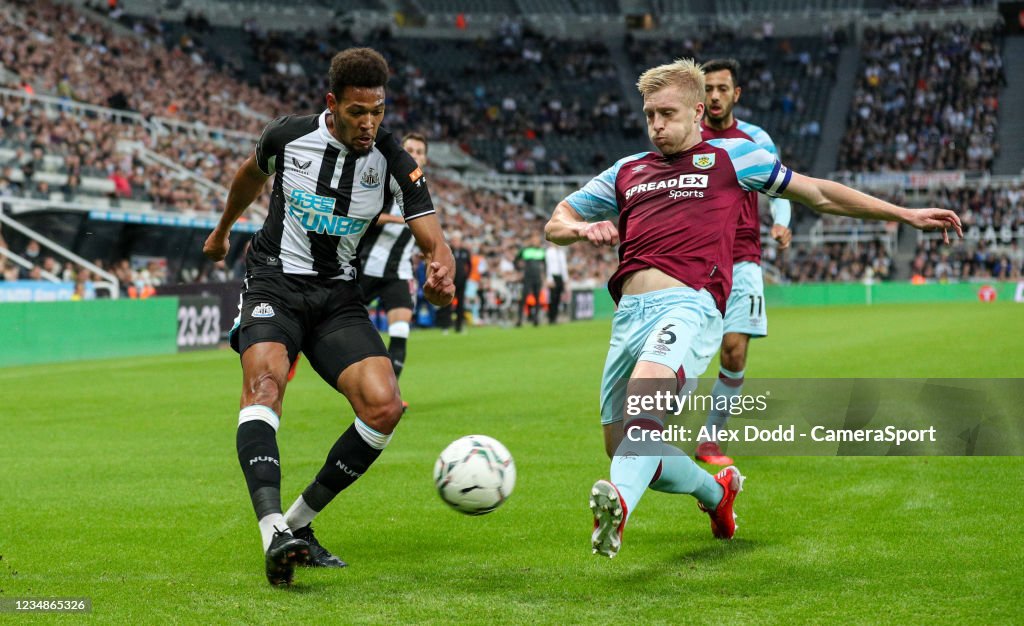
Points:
(723, 518)
(295, 363)
(709, 452)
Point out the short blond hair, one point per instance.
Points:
(685, 73)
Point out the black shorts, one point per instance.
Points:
(393, 292)
(325, 319)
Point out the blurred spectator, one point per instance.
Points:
(122, 188)
(71, 187)
(219, 273)
(50, 265)
(41, 191)
(10, 271)
(32, 251)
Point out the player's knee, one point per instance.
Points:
(265, 389)
(382, 414)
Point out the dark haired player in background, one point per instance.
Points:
(385, 254)
(746, 313)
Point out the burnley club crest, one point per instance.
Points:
(704, 161)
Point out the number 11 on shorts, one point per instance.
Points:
(756, 304)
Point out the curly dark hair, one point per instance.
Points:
(717, 65)
(357, 67)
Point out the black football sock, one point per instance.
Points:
(396, 348)
(256, 442)
(352, 454)
(399, 332)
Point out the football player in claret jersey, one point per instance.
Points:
(677, 210)
(334, 172)
(746, 312)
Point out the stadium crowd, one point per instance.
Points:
(927, 99)
(994, 214)
(57, 49)
(993, 219)
(524, 88)
(71, 147)
(512, 89)
(137, 277)
(834, 262)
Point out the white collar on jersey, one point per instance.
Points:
(325, 133)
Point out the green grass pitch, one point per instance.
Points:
(119, 482)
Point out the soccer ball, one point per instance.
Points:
(475, 474)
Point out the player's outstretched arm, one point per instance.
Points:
(826, 196)
(566, 226)
(245, 188)
(439, 289)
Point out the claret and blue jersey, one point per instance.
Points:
(748, 233)
(679, 213)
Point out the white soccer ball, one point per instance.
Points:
(475, 474)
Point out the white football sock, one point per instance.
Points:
(300, 514)
(269, 525)
(374, 439)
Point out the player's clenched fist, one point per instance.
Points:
(439, 288)
(601, 233)
(782, 235)
(216, 246)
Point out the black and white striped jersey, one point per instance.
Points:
(326, 197)
(386, 251)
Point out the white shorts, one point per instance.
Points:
(745, 310)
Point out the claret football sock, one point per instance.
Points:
(728, 386)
